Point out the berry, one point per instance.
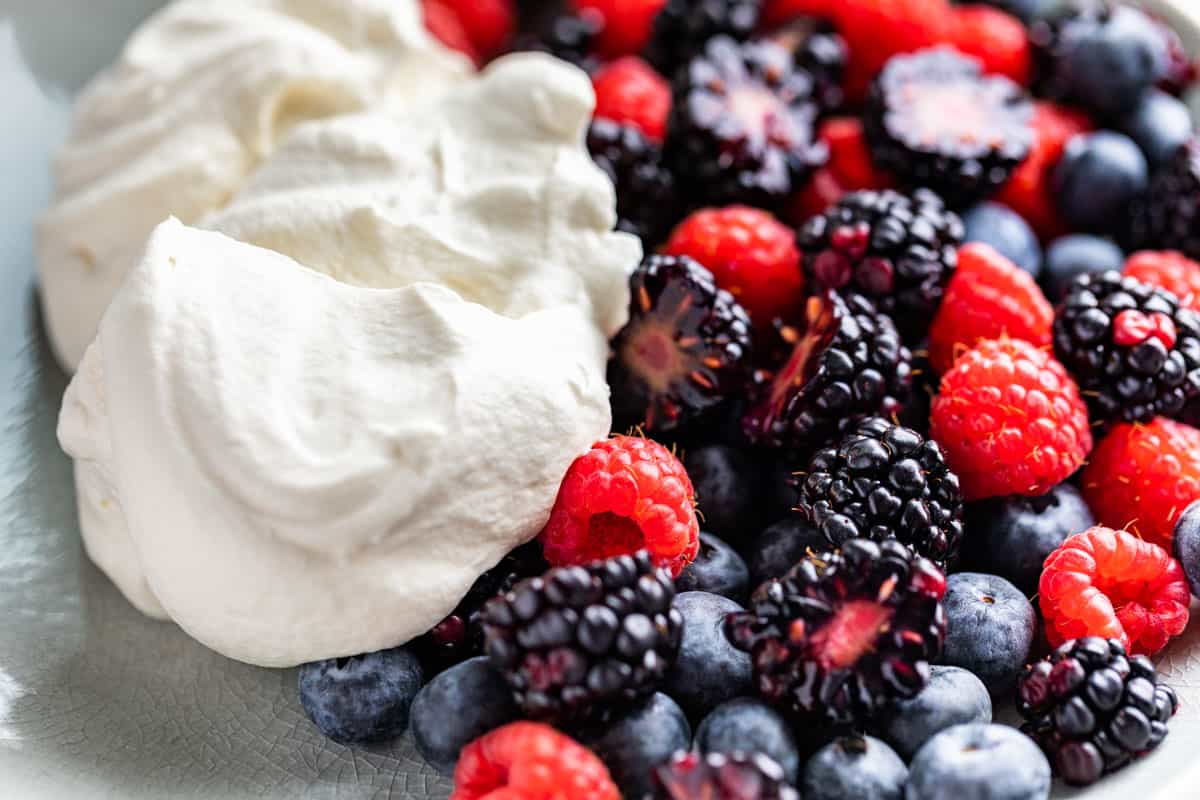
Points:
(781, 546)
(1183, 69)
(445, 24)
(823, 53)
(457, 707)
(1167, 217)
(721, 776)
(1186, 545)
(845, 632)
(1160, 124)
(580, 641)
(989, 297)
(530, 761)
(729, 491)
(750, 725)
(990, 627)
(708, 670)
(1010, 419)
(1110, 583)
(1093, 709)
(630, 92)
(645, 189)
(849, 169)
(1142, 477)
(1007, 231)
(571, 37)
(995, 38)
(1071, 256)
(1099, 175)
(636, 742)
(775, 13)
(361, 698)
(980, 761)
(684, 28)
(1024, 10)
(1168, 270)
(627, 24)
(855, 766)
(489, 24)
(953, 696)
(877, 30)
(717, 569)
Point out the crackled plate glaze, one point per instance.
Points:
(96, 701)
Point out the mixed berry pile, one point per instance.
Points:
(904, 417)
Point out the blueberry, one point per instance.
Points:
(1107, 65)
(1008, 232)
(1011, 536)
(1072, 256)
(780, 547)
(717, 569)
(979, 762)
(708, 670)
(953, 696)
(728, 485)
(456, 708)
(855, 768)
(990, 627)
(363, 698)
(750, 725)
(1160, 124)
(637, 741)
(1098, 176)
(1187, 545)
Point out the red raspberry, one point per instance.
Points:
(849, 169)
(489, 24)
(989, 297)
(623, 495)
(630, 91)
(1169, 270)
(627, 24)
(778, 12)
(1142, 477)
(530, 761)
(443, 22)
(1010, 420)
(751, 254)
(997, 39)
(876, 30)
(1110, 583)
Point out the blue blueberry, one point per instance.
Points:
(780, 547)
(990, 627)
(1160, 124)
(1187, 545)
(1107, 65)
(708, 670)
(363, 698)
(1080, 254)
(637, 741)
(1011, 536)
(729, 486)
(855, 768)
(717, 569)
(456, 708)
(979, 762)
(1008, 232)
(953, 696)
(750, 725)
(1098, 176)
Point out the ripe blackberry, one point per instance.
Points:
(899, 250)
(646, 198)
(1134, 351)
(571, 37)
(821, 51)
(583, 641)
(884, 481)
(1167, 216)
(846, 361)
(1093, 709)
(683, 28)
(721, 776)
(934, 119)
(741, 128)
(683, 351)
(844, 633)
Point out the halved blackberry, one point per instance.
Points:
(1134, 351)
(820, 50)
(1093, 709)
(742, 126)
(1167, 217)
(884, 481)
(721, 776)
(844, 633)
(846, 361)
(684, 350)
(571, 37)
(935, 120)
(646, 198)
(582, 642)
(683, 27)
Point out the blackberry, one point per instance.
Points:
(581, 642)
(1134, 351)
(646, 198)
(884, 481)
(899, 250)
(1093, 709)
(821, 51)
(846, 361)
(1167, 216)
(571, 37)
(683, 351)
(742, 126)
(845, 633)
(934, 119)
(721, 776)
(683, 28)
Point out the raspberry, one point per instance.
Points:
(1142, 477)
(443, 22)
(876, 30)
(627, 24)
(849, 169)
(530, 761)
(489, 24)
(1010, 420)
(623, 495)
(994, 37)
(629, 91)
(1168, 270)
(1110, 583)
(988, 297)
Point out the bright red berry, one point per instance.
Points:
(876, 30)
(627, 24)
(530, 761)
(988, 297)
(630, 91)
(1142, 477)
(623, 495)
(443, 22)
(489, 24)
(1168, 270)
(997, 39)
(1010, 420)
(1110, 583)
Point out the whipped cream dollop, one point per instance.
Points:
(305, 429)
(201, 94)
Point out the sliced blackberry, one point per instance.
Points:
(646, 198)
(571, 37)
(884, 481)
(741, 128)
(721, 776)
(844, 633)
(934, 119)
(1093, 709)
(899, 250)
(1134, 351)
(846, 361)
(683, 28)
(684, 350)
(1167, 217)
(581, 642)
(821, 51)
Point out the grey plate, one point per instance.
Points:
(97, 701)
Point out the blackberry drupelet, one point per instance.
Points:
(582, 642)
(684, 350)
(646, 198)
(571, 37)
(683, 28)
(1134, 351)
(884, 481)
(935, 120)
(722, 776)
(844, 633)
(1093, 709)
(1167, 216)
